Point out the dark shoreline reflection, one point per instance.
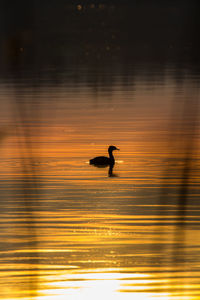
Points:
(114, 41)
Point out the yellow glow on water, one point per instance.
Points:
(88, 285)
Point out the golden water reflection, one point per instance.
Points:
(82, 256)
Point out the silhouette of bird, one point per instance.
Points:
(103, 160)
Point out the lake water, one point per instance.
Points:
(68, 229)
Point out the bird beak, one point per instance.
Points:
(117, 149)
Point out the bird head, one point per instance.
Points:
(112, 148)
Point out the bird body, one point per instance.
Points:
(103, 160)
(100, 160)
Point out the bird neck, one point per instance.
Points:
(111, 155)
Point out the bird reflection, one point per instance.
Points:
(103, 161)
(110, 172)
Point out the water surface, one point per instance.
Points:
(69, 229)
